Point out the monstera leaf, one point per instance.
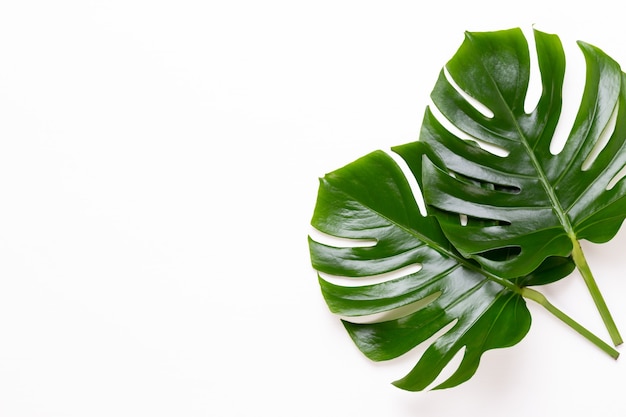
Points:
(370, 200)
(539, 204)
(495, 222)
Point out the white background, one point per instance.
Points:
(158, 171)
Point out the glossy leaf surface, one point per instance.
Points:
(538, 204)
(371, 200)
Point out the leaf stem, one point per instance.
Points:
(543, 301)
(598, 299)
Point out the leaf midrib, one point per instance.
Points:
(543, 178)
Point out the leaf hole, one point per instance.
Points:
(501, 254)
(340, 242)
(372, 279)
(505, 188)
(621, 174)
(396, 313)
(480, 107)
(509, 189)
(572, 94)
(415, 188)
(461, 135)
(602, 141)
(482, 222)
(535, 87)
(468, 220)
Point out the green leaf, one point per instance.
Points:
(371, 199)
(544, 198)
(461, 286)
(540, 204)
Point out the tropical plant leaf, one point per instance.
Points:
(495, 225)
(545, 202)
(370, 199)
(542, 203)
